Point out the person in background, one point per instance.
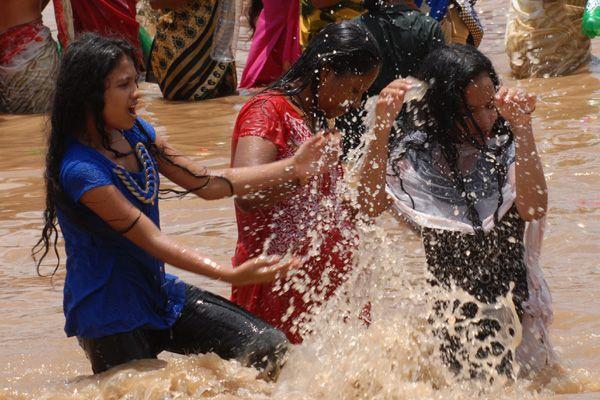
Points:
(545, 38)
(180, 57)
(28, 58)
(459, 19)
(408, 36)
(112, 18)
(275, 43)
(316, 14)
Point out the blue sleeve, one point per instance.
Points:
(148, 129)
(438, 8)
(78, 177)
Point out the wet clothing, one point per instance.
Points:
(180, 56)
(312, 222)
(28, 68)
(118, 300)
(112, 286)
(208, 323)
(483, 259)
(485, 267)
(407, 36)
(315, 19)
(457, 257)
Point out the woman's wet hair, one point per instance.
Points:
(448, 71)
(343, 48)
(373, 5)
(79, 92)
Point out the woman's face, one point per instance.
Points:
(480, 102)
(340, 93)
(121, 96)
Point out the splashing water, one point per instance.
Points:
(394, 357)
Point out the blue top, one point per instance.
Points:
(438, 8)
(112, 285)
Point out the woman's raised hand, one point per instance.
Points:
(515, 105)
(390, 102)
(259, 270)
(317, 155)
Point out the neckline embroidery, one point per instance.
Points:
(148, 194)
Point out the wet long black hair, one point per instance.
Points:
(79, 92)
(449, 70)
(343, 48)
(373, 5)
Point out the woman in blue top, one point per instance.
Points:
(102, 182)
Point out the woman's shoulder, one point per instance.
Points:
(80, 160)
(269, 108)
(82, 169)
(78, 155)
(142, 131)
(270, 100)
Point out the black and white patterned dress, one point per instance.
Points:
(485, 267)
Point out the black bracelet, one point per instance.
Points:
(130, 227)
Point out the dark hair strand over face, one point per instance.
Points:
(342, 48)
(448, 71)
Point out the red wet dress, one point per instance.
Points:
(313, 223)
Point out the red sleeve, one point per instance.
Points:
(263, 117)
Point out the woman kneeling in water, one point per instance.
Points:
(467, 174)
(102, 181)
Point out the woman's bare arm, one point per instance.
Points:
(309, 160)
(532, 192)
(253, 151)
(372, 198)
(111, 206)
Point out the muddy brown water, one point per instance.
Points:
(36, 359)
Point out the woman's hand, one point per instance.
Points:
(317, 155)
(515, 105)
(259, 270)
(390, 102)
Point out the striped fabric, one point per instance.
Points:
(28, 69)
(467, 13)
(181, 54)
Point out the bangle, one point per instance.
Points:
(130, 226)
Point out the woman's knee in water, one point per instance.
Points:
(266, 352)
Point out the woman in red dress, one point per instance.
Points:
(311, 220)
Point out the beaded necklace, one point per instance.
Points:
(148, 194)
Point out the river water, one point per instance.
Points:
(38, 361)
